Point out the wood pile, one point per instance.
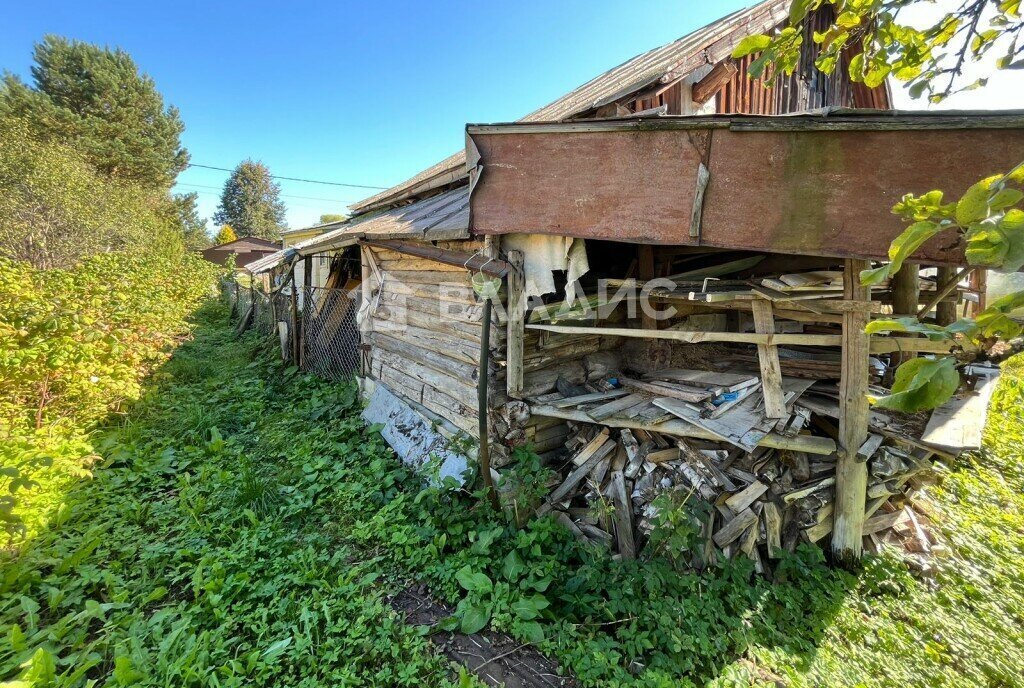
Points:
(746, 498)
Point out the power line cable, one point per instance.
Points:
(304, 198)
(295, 179)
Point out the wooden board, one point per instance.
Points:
(957, 425)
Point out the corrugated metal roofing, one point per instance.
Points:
(438, 218)
(707, 45)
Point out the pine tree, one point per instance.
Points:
(96, 100)
(225, 236)
(250, 203)
(186, 219)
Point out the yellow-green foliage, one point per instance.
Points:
(55, 208)
(74, 345)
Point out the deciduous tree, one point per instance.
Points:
(224, 236)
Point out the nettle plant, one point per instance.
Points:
(869, 39)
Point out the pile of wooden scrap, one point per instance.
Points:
(753, 497)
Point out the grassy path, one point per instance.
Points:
(244, 529)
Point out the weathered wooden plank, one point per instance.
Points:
(851, 473)
(735, 527)
(741, 500)
(516, 321)
(678, 428)
(768, 359)
(623, 515)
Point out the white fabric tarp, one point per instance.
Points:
(542, 255)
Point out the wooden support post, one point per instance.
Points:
(645, 271)
(851, 472)
(483, 407)
(516, 324)
(945, 311)
(768, 358)
(294, 324)
(307, 297)
(906, 294)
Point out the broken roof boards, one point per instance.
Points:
(816, 184)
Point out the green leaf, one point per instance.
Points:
(529, 607)
(798, 9)
(751, 44)
(277, 649)
(512, 566)
(124, 673)
(475, 617)
(994, 321)
(848, 19)
(973, 205)
(921, 383)
(532, 631)
(473, 581)
(901, 248)
(874, 275)
(1004, 198)
(907, 325)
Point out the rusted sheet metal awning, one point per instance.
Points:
(820, 184)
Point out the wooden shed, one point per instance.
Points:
(676, 180)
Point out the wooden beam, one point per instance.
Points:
(470, 261)
(879, 345)
(851, 472)
(906, 292)
(768, 359)
(713, 81)
(703, 176)
(645, 269)
(811, 444)
(945, 313)
(515, 326)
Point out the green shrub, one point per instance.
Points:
(74, 346)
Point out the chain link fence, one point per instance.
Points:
(330, 333)
(328, 324)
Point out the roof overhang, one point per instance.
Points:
(443, 217)
(817, 184)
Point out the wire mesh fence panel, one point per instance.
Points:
(330, 333)
(229, 293)
(243, 300)
(263, 314)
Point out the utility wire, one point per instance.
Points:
(304, 198)
(294, 179)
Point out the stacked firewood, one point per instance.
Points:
(753, 504)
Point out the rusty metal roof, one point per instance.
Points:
(707, 45)
(438, 218)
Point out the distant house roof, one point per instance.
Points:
(677, 59)
(245, 249)
(438, 218)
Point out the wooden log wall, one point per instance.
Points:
(424, 333)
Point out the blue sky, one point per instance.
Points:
(367, 93)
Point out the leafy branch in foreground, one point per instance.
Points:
(990, 223)
(869, 36)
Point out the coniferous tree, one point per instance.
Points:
(96, 100)
(250, 203)
(186, 218)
